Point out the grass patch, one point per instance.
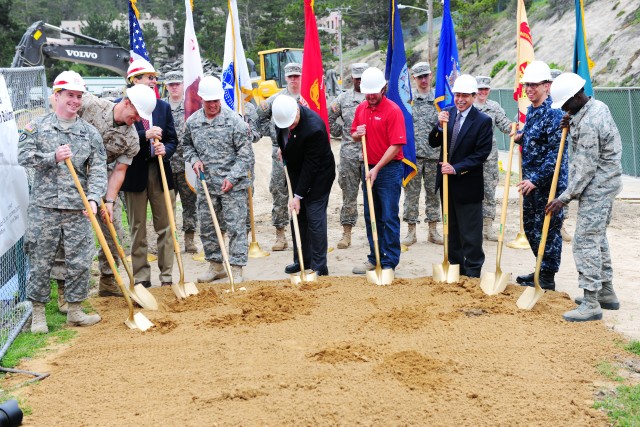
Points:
(610, 371)
(633, 347)
(22, 402)
(623, 406)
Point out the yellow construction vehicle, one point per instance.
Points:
(271, 79)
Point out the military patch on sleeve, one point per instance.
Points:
(334, 107)
(23, 136)
(29, 127)
(264, 106)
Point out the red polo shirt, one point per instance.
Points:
(385, 127)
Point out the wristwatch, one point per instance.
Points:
(109, 201)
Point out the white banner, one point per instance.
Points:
(13, 178)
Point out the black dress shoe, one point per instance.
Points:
(323, 272)
(524, 279)
(292, 268)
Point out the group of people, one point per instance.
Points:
(115, 149)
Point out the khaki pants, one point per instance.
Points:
(137, 215)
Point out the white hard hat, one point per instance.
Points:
(284, 111)
(69, 80)
(140, 66)
(564, 87)
(465, 83)
(210, 89)
(372, 81)
(536, 72)
(143, 98)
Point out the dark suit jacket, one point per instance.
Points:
(473, 146)
(136, 178)
(308, 156)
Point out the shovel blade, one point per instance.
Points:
(310, 276)
(143, 297)
(178, 290)
(494, 283)
(295, 279)
(190, 288)
(449, 273)
(529, 297)
(374, 278)
(139, 321)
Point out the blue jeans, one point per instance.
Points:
(386, 201)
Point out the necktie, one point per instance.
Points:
(145, 124)
(456, 130)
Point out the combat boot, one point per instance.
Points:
(410, 238)
(281, 240)
(362, 269)
(488, 231)
(345, 242)
(189, 245)
(588, 310)
(77, 317)
(566, 237)
(547, 281)
(606, 297)
(236, 270)
(63, 307)
(434, 236)
(525, 279)
(215, 271)
(107, 287)
(38, 318)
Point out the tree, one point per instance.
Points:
(10, 34)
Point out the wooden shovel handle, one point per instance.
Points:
(372, 211)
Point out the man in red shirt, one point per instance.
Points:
(382, 122)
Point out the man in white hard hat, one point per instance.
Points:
(491, 172)
(595, 177)
(277, 186)
(304, 146)
(469, 136)
(115, 124)
(341, 112)
(55, 206)
(217, 142)
(540, 141)
(143, 184)
(425, 118)
(382, 123)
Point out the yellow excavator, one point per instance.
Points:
(271, 79)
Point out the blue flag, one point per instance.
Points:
(448, 62)
(399, 88)
(582, 64)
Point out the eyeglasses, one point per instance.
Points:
(149, 76)
(533, 85)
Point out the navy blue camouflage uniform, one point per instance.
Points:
(540, 143)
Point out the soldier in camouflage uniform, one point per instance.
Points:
(173, 82)
(594, 180)
(425, 117)
(218, 143)
(491, 173)
(115, 124)
(341, 112)
(540, 140)
(277, 185)
(55, 207)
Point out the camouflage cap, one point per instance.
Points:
(292, 69)
(420, 69)
(555, 73)
(358, 68)
(173, 77)
(484, 82)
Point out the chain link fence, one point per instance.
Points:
(29, 98)
(624, 104)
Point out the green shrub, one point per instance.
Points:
(497, 67)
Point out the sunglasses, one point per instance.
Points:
(533, 85)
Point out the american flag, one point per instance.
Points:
(137, 46)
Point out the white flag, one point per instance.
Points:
(235, 73)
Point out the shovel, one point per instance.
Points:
(137, 321)
(445, 272)
(495, 283)
(181, 289)
(377, 276)
(223, 249)
(254, 247)
(304, 276)
(531, 295)
(138, 293)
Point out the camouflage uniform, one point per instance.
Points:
(277, 185)
(491, 172)
(187, 197)
(425, 117)
(350, 168)
(594, 180)
(540, 142)
(121, 144)
(55, 207)
(223, 144)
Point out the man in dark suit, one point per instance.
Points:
(143, 182)
(469, 137)
(304, 146)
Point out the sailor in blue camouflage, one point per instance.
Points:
(55, 207)
(540, 140)
(491, 173)
(221, 146)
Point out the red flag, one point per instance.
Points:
(312, 85)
